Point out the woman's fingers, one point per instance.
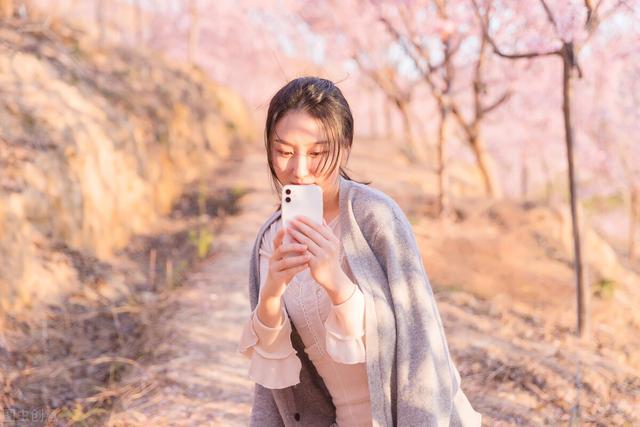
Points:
(319, 229)
(291, 262)
(277, 241)
(308, 231)
(314, 248)
(288, 248)
(295, 270)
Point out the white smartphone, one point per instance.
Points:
(301, 200)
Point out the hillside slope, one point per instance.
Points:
(503, 276)
(95, 145)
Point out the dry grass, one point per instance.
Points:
(71, 362)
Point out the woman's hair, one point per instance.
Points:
(321, 99)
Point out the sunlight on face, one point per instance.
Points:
(299, 142)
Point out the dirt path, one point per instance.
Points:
(517, 367)
(198, 378)
(194, 376)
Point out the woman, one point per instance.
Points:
(344, 329)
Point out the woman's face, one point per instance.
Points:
(299, 144)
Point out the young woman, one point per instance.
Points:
(344, 329)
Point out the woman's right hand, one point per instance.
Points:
(287, 260)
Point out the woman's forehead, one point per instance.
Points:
(299, 127)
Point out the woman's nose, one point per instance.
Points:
(300, 167)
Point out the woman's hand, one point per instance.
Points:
(324, 262)
(282, 268)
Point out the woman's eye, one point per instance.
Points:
(290, 153)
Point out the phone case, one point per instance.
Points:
(301, 200)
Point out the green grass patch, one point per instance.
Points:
(605, 288)
(599, 203)
(202, 240)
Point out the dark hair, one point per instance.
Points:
(321, 99)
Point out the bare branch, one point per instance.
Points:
(416, 51)
(550, 17)
(505, 96)
(454, 49)
(424, 53)
(598, 18)
(485, 32)
(386, 81)
(590, 10)
(478, 85)
(460, 119)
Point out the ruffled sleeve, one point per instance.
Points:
(345, 330)
(274, 363)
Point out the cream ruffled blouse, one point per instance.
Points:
(333, 336)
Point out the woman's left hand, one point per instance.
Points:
(324, 264)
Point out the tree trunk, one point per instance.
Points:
(6, 9)
(524, 175)
(485, 164)
(634, 211)
(194, 31)
(582, 288)
(410, 141)
(138, 22)
(443, 202)
(373, 126)
(387, 118)
(548, 185)
(99, 11)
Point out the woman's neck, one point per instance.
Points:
(331, 205)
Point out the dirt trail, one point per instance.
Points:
(199, 378)
(517, 363)
(195, 377)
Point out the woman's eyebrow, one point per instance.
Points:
(291, 145)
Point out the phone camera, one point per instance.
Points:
(287, 191)
(288, 199)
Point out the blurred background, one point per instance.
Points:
(133, 180)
